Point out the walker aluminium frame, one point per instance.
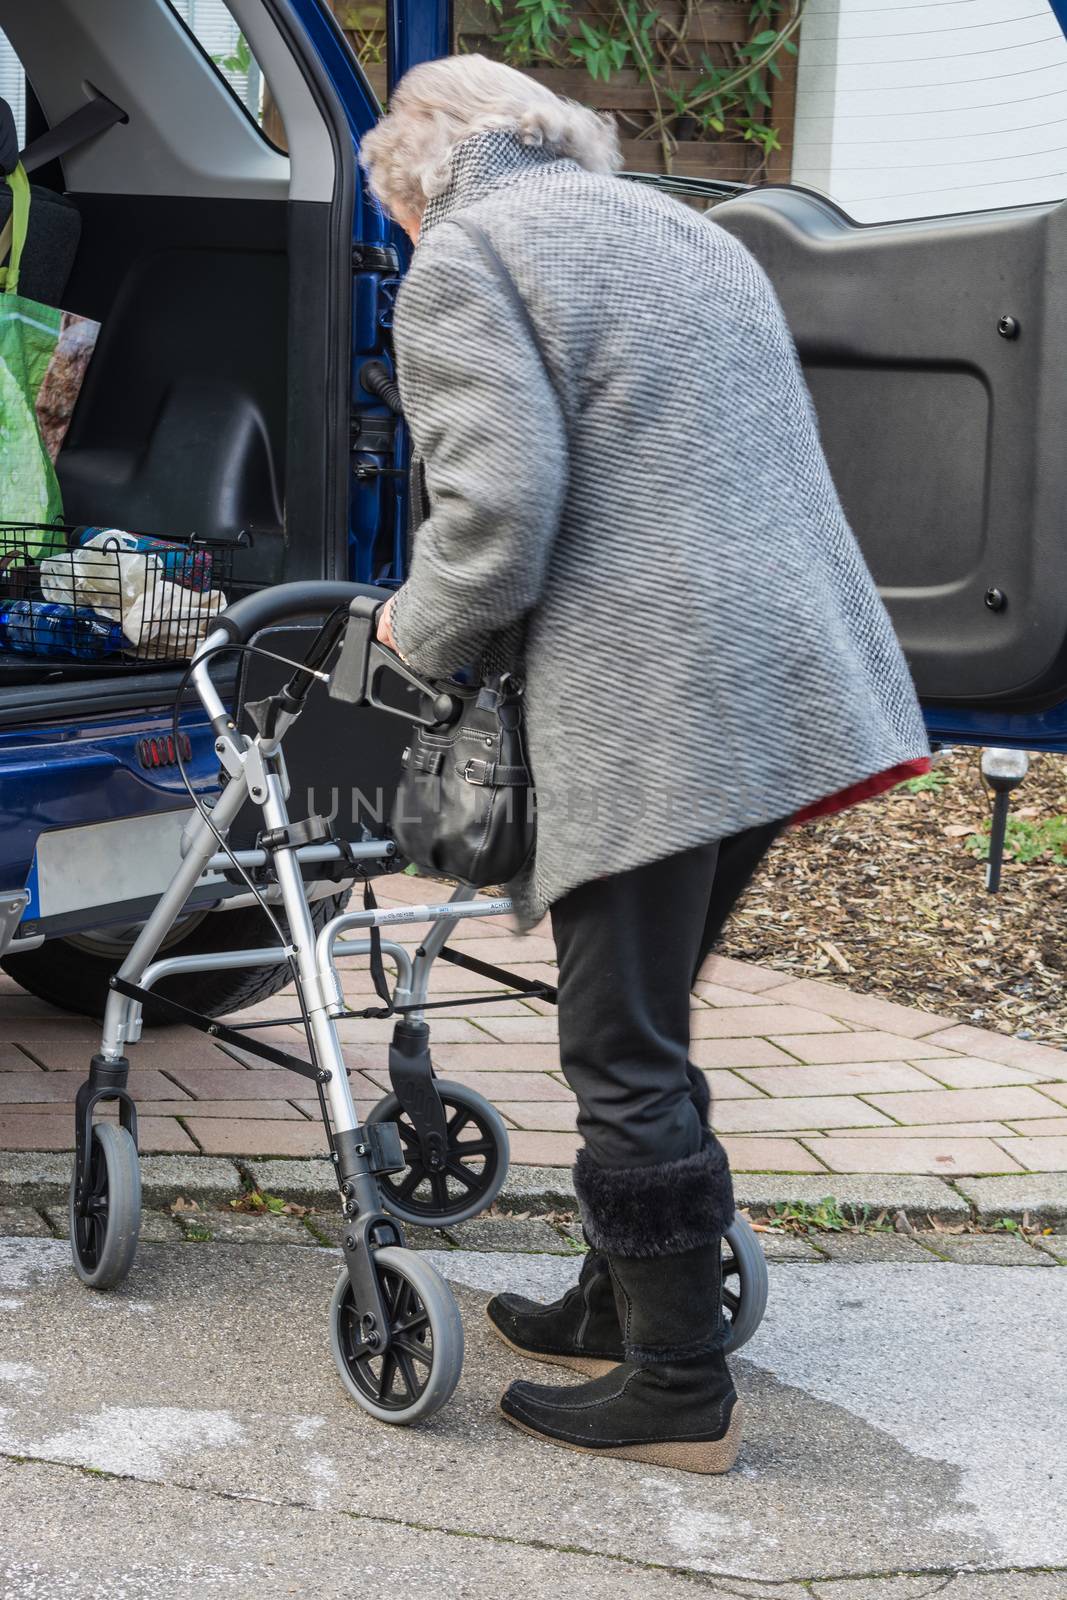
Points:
(432, 1152)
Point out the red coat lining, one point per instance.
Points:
(878, 784)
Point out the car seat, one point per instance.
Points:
(54, 229)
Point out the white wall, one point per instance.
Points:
(918, 108)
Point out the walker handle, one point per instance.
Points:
(285, 601)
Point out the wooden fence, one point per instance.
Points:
(713, 28)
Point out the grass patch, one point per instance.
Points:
(826, 1216)
(1005, 1225)
(259, 1203)
(928, 783)
(1026, 841)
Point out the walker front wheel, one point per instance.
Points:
(103, 1236)
(419, 1371)
(744, 1284)
(475, 1167)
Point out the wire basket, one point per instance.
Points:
(108, 595)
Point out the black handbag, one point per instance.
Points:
(465, 802)
(464, 805)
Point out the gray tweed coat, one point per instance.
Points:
(704, 647)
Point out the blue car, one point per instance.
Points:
(207, 171)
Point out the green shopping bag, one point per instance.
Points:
(43, 356)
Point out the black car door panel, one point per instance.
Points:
(936, 354)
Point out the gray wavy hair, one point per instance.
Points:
(440, 103)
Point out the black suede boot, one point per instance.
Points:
(581, 1331)
(671, 1402)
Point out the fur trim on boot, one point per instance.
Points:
(661, 1210)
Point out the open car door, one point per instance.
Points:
(936, 353)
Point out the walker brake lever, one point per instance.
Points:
(362, 660)
(446, 707)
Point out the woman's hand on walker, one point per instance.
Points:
(384, 628)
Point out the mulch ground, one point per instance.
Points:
(889, 898)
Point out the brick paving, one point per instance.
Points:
(806, 1077)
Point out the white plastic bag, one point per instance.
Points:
(101, 574)
(168, 620)
(114, 577)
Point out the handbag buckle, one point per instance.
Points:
(477, 770)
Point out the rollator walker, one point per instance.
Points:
(431, 1153)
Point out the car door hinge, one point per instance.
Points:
(375, 258)
(374, 433)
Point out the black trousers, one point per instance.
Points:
(629, 949)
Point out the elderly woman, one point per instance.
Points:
(627, 499)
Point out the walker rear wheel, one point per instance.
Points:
(474, 1172)
(419, 1371)
(103, 1238)
(744, 1283)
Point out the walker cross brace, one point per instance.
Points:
(219, 1030)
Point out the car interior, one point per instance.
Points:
(216, 403)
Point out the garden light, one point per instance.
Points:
(1003, 770)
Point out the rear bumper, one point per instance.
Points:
(61, 777)
(1031, 730)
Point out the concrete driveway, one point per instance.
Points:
(186, 1434)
